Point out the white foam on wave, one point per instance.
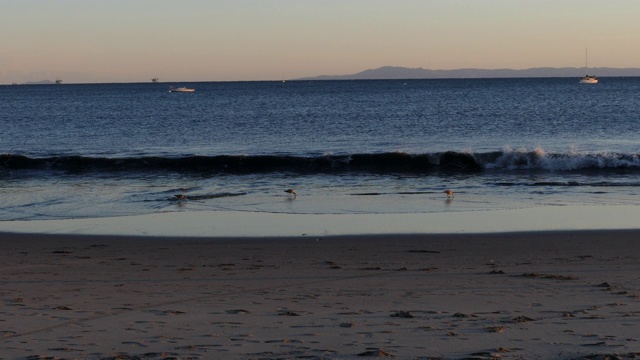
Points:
(538, 158)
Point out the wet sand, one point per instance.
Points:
(546, 295)
(261, 224)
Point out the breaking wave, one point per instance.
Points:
(391, 162)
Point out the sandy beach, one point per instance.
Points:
(529, 295)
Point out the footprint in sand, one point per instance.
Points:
(237, 311)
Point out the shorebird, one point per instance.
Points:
(180, 197)
(449, 193)
(291, 192)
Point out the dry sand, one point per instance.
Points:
(536, 295)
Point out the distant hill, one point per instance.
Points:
(393, 72)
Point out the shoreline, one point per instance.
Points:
(550, 294)
(259, 224)
(547, 235)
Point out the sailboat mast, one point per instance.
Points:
(586, 61)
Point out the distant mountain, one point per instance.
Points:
(392, 72)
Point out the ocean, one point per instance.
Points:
(347, 147)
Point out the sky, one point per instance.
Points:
(84, 41)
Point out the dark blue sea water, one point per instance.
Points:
(393, 146)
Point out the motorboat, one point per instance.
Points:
(181, 89)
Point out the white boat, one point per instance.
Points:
(588, 79)
(181, 89)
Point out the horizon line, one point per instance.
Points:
(363, 72)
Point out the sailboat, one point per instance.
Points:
(587, 79)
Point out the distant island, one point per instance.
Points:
(42, 82)
(394, 72)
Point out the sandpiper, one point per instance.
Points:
(449, 193)
(291, 192)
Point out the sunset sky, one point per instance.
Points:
(224, 40)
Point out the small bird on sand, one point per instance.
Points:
(291, 192)
(449, 193)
